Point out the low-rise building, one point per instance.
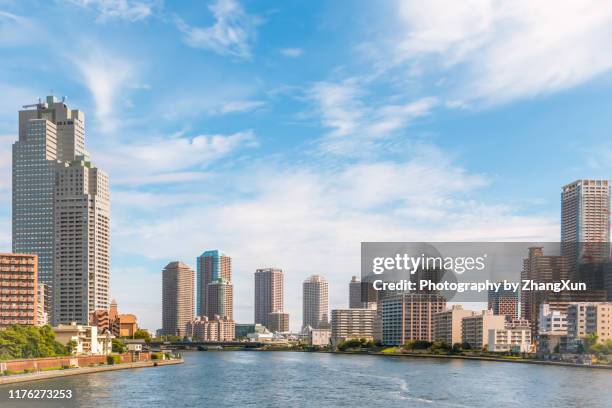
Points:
(216, 329)
(585, 318)
(242, 330)
(18, 290)
(44, 305)
(316, 337)
(514, 337)
(278, 322)
(87, 340)
(475, 329)
(447, 324)
(551, 322)
(351, 324)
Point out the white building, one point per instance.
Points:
(87, 339)
(551, 322)
(515, 337)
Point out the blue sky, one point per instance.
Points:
(285, 133)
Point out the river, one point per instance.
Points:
(283, 379)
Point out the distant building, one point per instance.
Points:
(315, 307)
(269, 294)
(87, 339)
(475, 329)
(551, 322)
(221, 298)
(317, 337)
(19, 285)
(515, 336)
(589, 318)
(278, 322)
(409, 316)
(177, 298)
(215, 329)
(352, 323)
(504, 302)
(356, 297)
(121, 325)
(100, 319)
(585, 221)
(447, 324)
(211, 266)
(243, 329)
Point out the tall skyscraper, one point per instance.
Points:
(356, 297)
(585, 221)
(48, 132)
(211, 265)
(268, 294)
(220, 296)
(177, 298)
(315, 311)
(81, 237)
(61, 209)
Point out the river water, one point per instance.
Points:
(291, 379)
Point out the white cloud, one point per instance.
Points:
(292, 52)
(6, 143)
(506, 50)
(130, 10)
(283, 216)
(170, 160)
(343, 109)
(106, 76)
(232, 33)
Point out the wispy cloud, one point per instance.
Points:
(130, 10)
(343, 109)
(106, 76)
(241, 106)
(232, 33)
(170, 160)
(292, 52)
(502, 51)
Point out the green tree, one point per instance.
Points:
(142, 334)
(17, 341)
(71, 346)
(119, 346)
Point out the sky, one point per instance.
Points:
(286, 133)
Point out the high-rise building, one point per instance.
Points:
(409, 316)
(585, 221)
(268, 294)
(315, 307)
(278, 322)
(48, 132)
(211, 265)
(19, 290)
(540, 268)
(82, 242)
(356, 295)
(504, 302)
(220, 298)
(177, 298)
(447, 324)
(352, 324)
(61, 209)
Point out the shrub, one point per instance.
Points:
(113, 360)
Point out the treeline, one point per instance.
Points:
(18, 341)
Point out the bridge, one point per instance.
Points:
(199, 345)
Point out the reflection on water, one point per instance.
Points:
(267, 379)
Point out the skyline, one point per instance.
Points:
(301, 146)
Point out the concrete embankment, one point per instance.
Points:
(45, 375)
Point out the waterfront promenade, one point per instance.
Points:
(46, 375)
